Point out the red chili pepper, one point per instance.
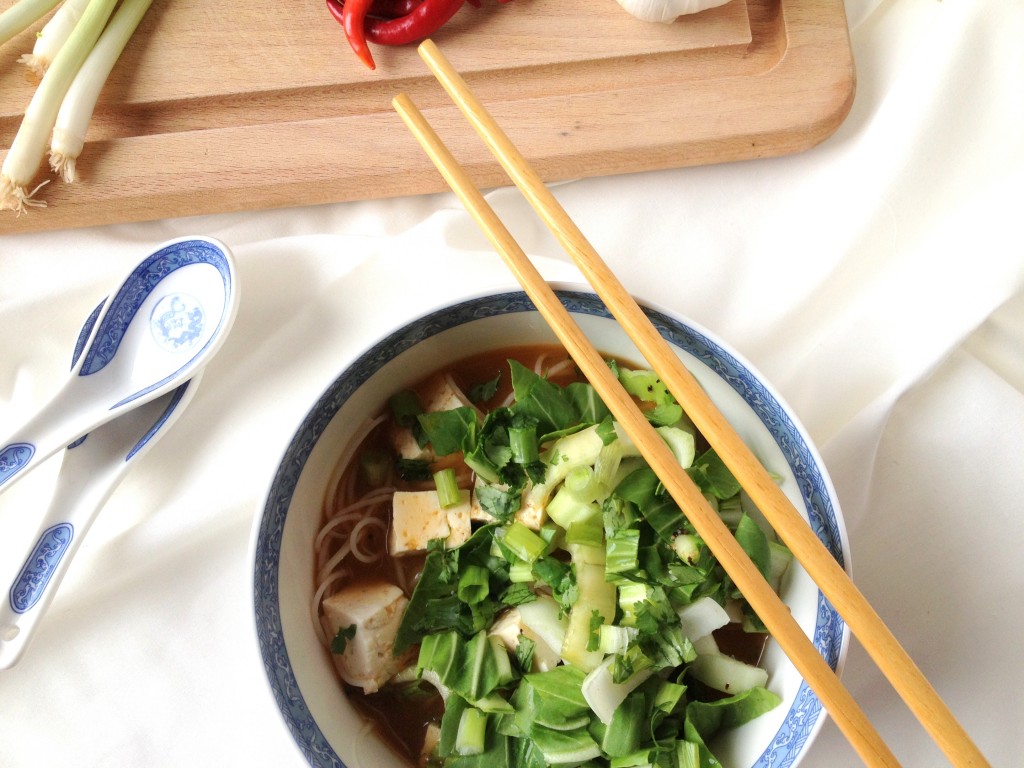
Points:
(392, 9)
(425, 19)
(352, 17)
(392, 22)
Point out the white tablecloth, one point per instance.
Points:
(877, 280)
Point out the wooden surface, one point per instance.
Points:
(223, 106)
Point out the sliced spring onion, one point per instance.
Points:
(521, 572)
(29, 146)
(21, 16)
(473, 584)
(53, 35)
(524, 543)
(80, 101)
(524, 444)
(447, 485)
(581, 481)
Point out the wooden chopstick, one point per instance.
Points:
(707, 523)
(908, 681)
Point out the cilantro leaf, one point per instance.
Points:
(340, 641)
(486, 390)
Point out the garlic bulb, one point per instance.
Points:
(667, 11)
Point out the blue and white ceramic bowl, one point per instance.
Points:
(325, 726)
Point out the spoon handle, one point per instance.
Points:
(20, 453)
(43, 435)
(90, 471)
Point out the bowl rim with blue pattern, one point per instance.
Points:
(325, 726)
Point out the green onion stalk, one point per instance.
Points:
(78, 105)
(29, 147)
(53, 36)
(21, 16)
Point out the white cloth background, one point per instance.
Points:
(877, 280)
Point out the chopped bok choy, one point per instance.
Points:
(74, 53)
(614, 582)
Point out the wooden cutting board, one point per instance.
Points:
(219, 107)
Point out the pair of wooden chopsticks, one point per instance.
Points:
(833, 581)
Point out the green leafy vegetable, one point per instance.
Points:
(601, 582)
(340, 641)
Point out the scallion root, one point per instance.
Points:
(16, 198)
(53, 35)
(64, 166)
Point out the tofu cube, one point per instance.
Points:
(375, 608)
(406, 445)
(417, 517)
(531, 515)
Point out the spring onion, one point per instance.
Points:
(667, 11)
(520, 572)
(526, 544)
(447, 488)
(473, 584)
(524, 445)
(21, 16)
(80, 101)
(574, 644)
(53, 35)
(29, 146)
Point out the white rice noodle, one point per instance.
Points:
(351, 513)
(318, 597)
(560, 368)
(362, 432)
(356, 538)
(344, 551)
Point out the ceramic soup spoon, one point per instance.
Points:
(91, 469)
(158, 328)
